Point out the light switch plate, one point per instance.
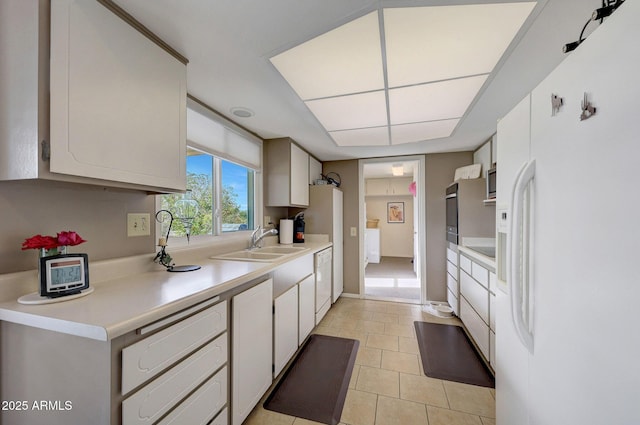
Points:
(138, 224)
(354, 231)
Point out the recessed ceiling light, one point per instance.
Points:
(242, 112)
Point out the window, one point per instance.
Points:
(223, 160)
(237, 204)
(219, 198)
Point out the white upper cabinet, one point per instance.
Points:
(388, 187)
(117, 109)
(118, 100)
(299, 173)
(286, 173)
(315, 170)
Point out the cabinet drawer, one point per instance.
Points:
(476, 295)
(452, 284)
(452, 270)
(148, 357)
(465, 264)
(480, 274)
(287, 276)
(477, 328)
(201, 406)
(452, 256)
(453, 301)
(154, 400)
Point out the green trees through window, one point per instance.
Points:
(212, 181)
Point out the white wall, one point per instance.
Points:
(396, 239)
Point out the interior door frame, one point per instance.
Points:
(421, 220)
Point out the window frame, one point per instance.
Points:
(217, 158)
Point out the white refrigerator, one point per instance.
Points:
(568, 229)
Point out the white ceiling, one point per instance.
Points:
(229, 44)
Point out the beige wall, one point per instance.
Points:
(396, 239)
(348, 171)
(97, 214)
(439, 172)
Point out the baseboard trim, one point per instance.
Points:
(346, 295)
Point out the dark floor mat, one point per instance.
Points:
(315, 386)
(448, 354)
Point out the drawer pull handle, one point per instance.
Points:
(174, 318)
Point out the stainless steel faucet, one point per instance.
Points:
(257, 236)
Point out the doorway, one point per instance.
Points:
(392, 227)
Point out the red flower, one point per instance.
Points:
(69, 238)
(39, 241)
(63, 239)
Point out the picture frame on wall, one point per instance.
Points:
(395, 212)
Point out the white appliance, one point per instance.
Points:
(372, 237)
(567, 204)
(323, 262)
(324, 216)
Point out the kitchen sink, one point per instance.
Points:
(281, 249)
(246, 255)
(267, 254)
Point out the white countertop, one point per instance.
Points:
(467, 247)
(479, 257)
(125, 303)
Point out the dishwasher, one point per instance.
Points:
(323, 262)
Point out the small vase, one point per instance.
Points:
(48, 252)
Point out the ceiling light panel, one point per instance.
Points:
(345, 60)
(437, 43)
(434, 101)
(417, 132)
(377, 136)
(350, 112)
(397, 170)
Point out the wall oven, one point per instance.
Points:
(467, 214)
(452, 213)
(492, 182)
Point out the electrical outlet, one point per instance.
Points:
(354, 231)
(138, 225)
(267, 220)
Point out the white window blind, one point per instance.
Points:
(220, 137)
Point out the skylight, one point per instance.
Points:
(401, 75)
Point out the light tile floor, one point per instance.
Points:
(388, 385)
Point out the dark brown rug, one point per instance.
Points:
(315, 386)
(448, 354)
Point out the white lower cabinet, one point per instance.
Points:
(477, 304)
(475, 325)
(201, 406)
(476, 295)
(251, 348)
(453, 292)
(285, 328)
(178, 369)
(148, 357)
(306, 307)
(453, 302)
